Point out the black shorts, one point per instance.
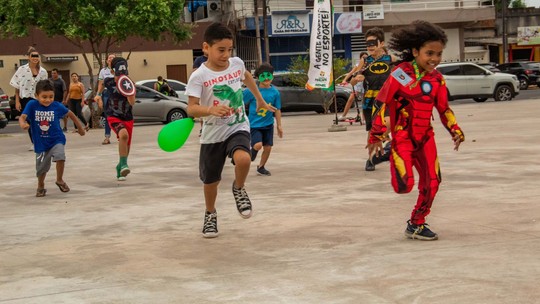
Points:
(212, 156)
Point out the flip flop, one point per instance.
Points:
(41, 192)
(106, 141)
(63, 187)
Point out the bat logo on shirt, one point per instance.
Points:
(379, 68)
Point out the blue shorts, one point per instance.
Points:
(264, 135)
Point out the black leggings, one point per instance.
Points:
(23, 102)
(77, 109)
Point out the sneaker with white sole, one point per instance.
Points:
(243, 204)
(124, 171)
(420, 232)
(210, 225)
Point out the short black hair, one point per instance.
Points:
(414, 36)
(44, 86)
(265, 67)
(375, 32)
(217, 31)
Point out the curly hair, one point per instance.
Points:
(414, 36)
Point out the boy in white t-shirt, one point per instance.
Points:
(215, 94)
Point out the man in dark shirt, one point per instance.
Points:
(60, 92)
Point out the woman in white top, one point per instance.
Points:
(102, 95)
(25, 79)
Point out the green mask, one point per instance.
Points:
(265, 76)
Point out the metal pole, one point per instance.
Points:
(504, 30)
(257, 31)
(265, 33)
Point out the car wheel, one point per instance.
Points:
(176, 114)
(503, 93)
(340, 105)
(479, 99)
(523, 83)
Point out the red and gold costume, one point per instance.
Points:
(410, 106)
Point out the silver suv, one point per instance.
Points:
(469, 80)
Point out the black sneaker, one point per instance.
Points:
(420, 232)
(253, 154)
(243, 204)
(369, 165)
(210, 225)
(263, 171)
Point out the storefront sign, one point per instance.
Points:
(348, 23)
(290, 23)
(373, 12)
(60, 58)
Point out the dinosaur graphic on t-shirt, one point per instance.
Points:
(224, 92)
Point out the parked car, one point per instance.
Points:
(3, 120)
(151, 105)
(528, 72)
(296, 98)
(492, 66)
(178, 86)
(468, 80)
(4, 104)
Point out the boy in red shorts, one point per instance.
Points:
(119, 115)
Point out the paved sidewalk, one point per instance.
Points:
(323, 230)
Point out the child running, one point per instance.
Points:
(374, 72)
(119, 115)
(43, 116)
(409, 95)
(262, 122)
(215, 94)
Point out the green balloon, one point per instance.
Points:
(174, 134)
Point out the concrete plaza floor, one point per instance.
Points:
(323, 230)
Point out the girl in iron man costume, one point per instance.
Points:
(410, 94)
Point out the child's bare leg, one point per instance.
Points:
(258, 146)
(123, 137)
(242, 160)
(210, 195)
(41, 181)
(265, 155)
(60, 164)
(348, 105)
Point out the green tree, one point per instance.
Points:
(299, 68)
(96, 25)
(518, 4)
(510, 3)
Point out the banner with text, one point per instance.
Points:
(528, 35)
(320, 46)
(373, 12)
